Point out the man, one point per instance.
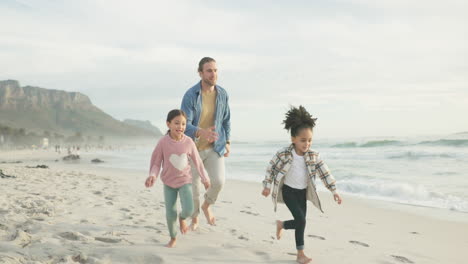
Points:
(209, 124)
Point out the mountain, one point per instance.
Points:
(39, 109)
(143, 124)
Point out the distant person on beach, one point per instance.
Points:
(173, 153)
(209, 124)
(292, 173)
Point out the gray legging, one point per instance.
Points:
(296, 201)
(170, 198)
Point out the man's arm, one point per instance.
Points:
(227, 120)
(188, 107)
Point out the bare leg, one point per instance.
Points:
(279, 229)
(302, 258)
(183, 226)
(208, 214)
(172, 242)
(194, 224)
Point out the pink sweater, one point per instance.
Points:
(174, 156)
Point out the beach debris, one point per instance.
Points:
(38, 167)
(358, 243)
(402, 259)
(4, 176)
(71, 157)
(97, 161)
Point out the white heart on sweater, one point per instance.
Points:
(179, 162)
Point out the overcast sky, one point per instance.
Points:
(363, 67)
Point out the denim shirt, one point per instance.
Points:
(192, 106)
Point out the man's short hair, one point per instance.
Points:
(203, 61)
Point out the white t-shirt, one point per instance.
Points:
(297, 175)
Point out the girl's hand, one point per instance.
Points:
(337, 198)
(207, 185)
(266, 192)
(150, 181)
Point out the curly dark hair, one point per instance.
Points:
(298, 118)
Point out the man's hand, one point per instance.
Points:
(208, 133)
(228, 150)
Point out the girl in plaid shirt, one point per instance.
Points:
(292, 173)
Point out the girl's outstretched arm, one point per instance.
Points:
(272, 170)
(155, 164)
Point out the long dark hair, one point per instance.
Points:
(173, 114)
(298, 118)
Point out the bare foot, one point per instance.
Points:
(303, 260)
(172, 242)
(183, 226)
(194, 224)
(209, 216)
(279, 229)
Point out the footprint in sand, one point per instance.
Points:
(358, 243)
(242, 237)
(108, 239)
(317, 237)
(74, 236)
(414, 233)
(21, 238)
(249, 213)
(402, 259)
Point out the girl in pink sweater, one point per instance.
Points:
(173, 153)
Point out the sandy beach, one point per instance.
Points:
(77, 212)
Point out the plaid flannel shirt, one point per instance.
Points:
(280, 165)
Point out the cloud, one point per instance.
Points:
(338, 56)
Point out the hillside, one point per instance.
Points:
(39, 109)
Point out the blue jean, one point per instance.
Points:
(186, 201)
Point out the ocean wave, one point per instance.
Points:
(380, 143)
(447, 142)
(368, 144)
(399, 192)
(345, 145)
(419, 155)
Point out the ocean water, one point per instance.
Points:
(422, 171)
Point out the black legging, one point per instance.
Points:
(296, 201)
